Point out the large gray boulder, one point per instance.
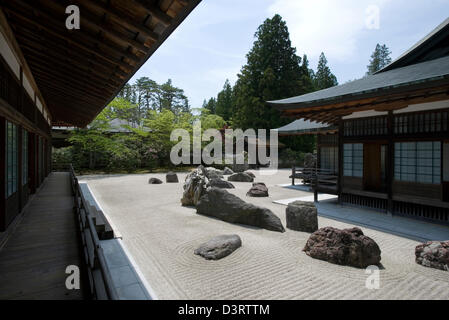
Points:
(213, 173)
(225, 206)
(250, 174)
(219, 247)
(240, 177)
(433, 254)
(240, 167)
(171, 177)
(345, 247)
(302, 216)
(227, 171)
(194, 187)
(154, 181)
(259, 189)
(218, 183)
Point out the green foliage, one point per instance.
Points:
(144, 144)
(289, 158)
(224, 101)
(380, 58)
(273, 71)
(324, 78)
(146, 94)
(210, 105)
(62, 156)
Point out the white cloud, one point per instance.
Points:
(325, 25)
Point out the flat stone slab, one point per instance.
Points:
(219, 247)
(155, 181)
(433, 254)
(302, 216)
(171, 177)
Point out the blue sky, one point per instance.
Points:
(210, 46)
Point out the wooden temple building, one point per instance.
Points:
(53, 76)
(385, 136)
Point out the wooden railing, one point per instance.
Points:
(100, 280)
(319, 179)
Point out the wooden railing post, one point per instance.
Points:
(293, 175)
(95, 258)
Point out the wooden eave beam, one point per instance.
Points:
(81, 34)
(81, 46)
(72, 82)
(28, 39)
(122, 19)
(103, 26)
(384, 104)
(72, 85)
(155, 12)
(36, 59)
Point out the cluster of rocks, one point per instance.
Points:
(211, 199)
(204, 188)
(345, 247)
(170, 177)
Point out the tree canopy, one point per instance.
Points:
(380, 58)
(272, 71)
(324, 78)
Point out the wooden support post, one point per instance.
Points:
(390, 162)
(293, 175)
(315, 190)
(19, 167)
(340, 158)
(32, 152)
(2, 175)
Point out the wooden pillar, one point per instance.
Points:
(32, 162)
(19, 166)
(2, 175)
(390, 161)
(318, 151)
(293, 175)
(340, 158)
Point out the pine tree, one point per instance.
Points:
(224, 102)
(324, 78)
(307, 76)
(380, 58)
(272, 72)
(210, 105)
